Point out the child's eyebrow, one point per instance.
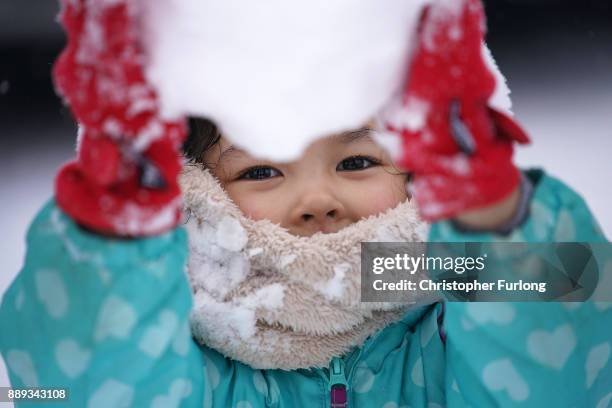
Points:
(353, 135)
(231, 150)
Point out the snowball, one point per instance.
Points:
(276, 75)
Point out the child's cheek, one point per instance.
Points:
(382, 195)
(243, 201)
(252, 209)
(256, 206)
(382, 203)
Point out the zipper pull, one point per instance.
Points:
(337, 384)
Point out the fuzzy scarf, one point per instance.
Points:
(271, 299)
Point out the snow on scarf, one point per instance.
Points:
(271, 299)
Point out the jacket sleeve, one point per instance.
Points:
(107, 319)
(532, 354)
(556, 214)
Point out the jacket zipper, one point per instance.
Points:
(338, 385)
(338, 378)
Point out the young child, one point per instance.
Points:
(267, 312)
(323, 191)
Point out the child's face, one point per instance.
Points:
(337, 181)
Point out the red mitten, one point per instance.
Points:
(459, 149)
(124, 180)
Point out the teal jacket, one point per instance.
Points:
(107, 319)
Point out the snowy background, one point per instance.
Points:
(557, 57)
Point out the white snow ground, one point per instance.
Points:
(568, 115)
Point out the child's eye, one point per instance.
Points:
(259, 173)
(355, 163)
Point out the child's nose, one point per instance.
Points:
(319, 211)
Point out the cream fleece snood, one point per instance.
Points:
(271, 299)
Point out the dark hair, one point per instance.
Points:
(203, 135)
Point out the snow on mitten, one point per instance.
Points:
(459, 149)
(124, 180)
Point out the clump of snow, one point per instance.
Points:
(427, 137)
(141, 100)
(286, 260)
(390, 141)
(112, 127)
(334, 288)
(409, 114)
(441, 12)
(455, 33)
(276, 75)
(269, 297)
(458, 164)
(235, 320)
(230, 234)
(136, 220)
(239, 315)
(153, 131)
(217, 262)
(218, 277)
(500, 99)
(415, 114)
(93, 37)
